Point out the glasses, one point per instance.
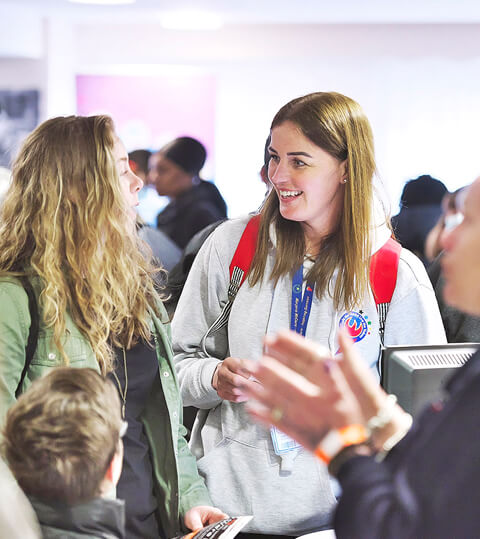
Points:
(123, 429)
(458, 203)
(452, 221)
(460, 198)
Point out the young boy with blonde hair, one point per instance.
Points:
(62, 442)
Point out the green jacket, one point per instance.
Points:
(177, 483)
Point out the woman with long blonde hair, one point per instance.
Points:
(318, 229)
(67, 226)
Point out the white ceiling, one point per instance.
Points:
(270, 11)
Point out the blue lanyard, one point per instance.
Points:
(300, 306)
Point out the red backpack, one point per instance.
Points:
(383, 275)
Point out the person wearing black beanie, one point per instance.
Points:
(421, 206)
(194, 203)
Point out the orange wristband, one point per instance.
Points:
(336, 440)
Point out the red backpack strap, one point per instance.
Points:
(245, 251)
(383, 278)
(239, 267)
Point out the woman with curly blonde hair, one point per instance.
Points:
(67, 225)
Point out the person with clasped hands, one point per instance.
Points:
(398, 480)
(318, 228)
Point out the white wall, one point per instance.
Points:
(21, 32)
(24, 74)
(419, 85)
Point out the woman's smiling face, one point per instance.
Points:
(309, 182)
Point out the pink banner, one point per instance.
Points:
(149, 111)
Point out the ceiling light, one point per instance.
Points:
(191, 20)
(103, 2)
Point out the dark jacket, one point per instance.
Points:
(100, 518)
(412, 225)
(429, 485)
(191, 211)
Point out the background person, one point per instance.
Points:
(420, 208)
(178, 276)
(68, 224)
(449, 218)
(428, 484)
(194, 203)
(62, 441)
(165, 251)
(149, 202)
(459, 326)
(138, 161)
(319, 225)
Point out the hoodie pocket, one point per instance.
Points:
(246, 480)
(226, 478)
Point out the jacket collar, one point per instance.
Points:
(101, 517)
(464, 375)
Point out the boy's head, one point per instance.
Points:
(62, 437)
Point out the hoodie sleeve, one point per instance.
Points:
(413, 316)
(201, 302)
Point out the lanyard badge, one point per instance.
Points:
(300, 312)
(301, 306)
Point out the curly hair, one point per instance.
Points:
(338, 125)
(64, 220)
(61, 435)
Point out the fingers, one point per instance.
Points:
(193, 520)
(351, 361)
(361, 381)
(230, 377)
(303, 391)
(264, 415)
(202, 515)
(292, 349)
(215, 514)
(287, 400)
(278, 383)
(237, 366)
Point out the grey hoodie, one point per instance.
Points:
(235, 456)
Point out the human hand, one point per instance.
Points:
(231, 375)
(363, 384)
(370, 396)
(317, 365)
(303, 390)
(202, 515)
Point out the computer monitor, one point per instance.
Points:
(417, 374)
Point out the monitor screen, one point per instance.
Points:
(417, 374)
